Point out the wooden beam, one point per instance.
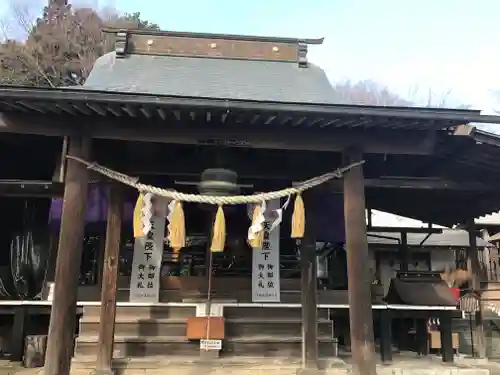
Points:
(404, 252)
(405, 230)
(109, 282)
(192, 173)
(358, 272)
(424, 184)
(380, 142)
(60, 169)
(63, 314)
(12, 187)
(30, 188)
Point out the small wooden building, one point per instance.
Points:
(166, 106)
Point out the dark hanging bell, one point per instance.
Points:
(218, 182)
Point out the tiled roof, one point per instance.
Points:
(211, 78)
(448, 238)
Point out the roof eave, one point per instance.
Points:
(89, 96)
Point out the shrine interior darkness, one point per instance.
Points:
(36, 158)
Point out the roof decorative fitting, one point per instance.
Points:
(121, 43)
(302, 55)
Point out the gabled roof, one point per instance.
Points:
(212, 78)
(448, 238)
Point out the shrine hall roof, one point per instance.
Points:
(261, 80)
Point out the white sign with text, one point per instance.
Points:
(211, 344)
(266, 261)
(148, 253)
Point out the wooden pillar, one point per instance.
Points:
(69, 255)
(358, 268)
(308, 278)
(445, 328)
(422, 336)
(386, 335)
(109, 282)
(18, 334)
(474, 268)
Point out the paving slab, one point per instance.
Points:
(401, 365)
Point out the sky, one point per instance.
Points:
(449, 46)
(446, 45)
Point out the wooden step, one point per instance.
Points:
(144, 312)
(128, 326)
(241, 327)
(272, 346)
(140, 346)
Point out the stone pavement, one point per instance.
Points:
(159, 366)
(8, 368)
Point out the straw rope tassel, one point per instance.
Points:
(137, 219)
(256, 242)
(298, 218)
(219, 231)
(177, 234)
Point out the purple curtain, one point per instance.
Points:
(327, 209)
(97, 207)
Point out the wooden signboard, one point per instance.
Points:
(435, 340)
(198, 328)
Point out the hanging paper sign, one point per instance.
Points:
(148, 253)
(266, 261)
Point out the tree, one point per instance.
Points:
(138, 23)
(61, 46)
(368, 93)
(372, 93)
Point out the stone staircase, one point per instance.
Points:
(273, 332)
(140, 331)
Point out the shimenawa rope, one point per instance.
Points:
(218, 200)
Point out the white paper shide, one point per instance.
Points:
(148, 252)
(265, 262)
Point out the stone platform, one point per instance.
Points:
(402, 365)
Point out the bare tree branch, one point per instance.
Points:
(372, 93)
(61, 46)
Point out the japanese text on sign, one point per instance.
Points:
(265, 263)
(148, 252)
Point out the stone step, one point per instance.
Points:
(144, 312)
(140, 346)
(279, 347)
(240, 327)
(266, 312)
(177, 327)
(137, 327)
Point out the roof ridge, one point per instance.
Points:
(186, 34)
